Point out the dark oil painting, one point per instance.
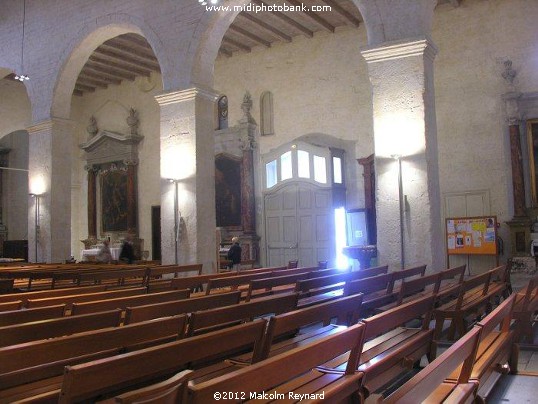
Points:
(114, 201)
(228, 191)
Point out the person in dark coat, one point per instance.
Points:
(127, 252)
(234, 254)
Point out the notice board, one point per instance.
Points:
(471, 235)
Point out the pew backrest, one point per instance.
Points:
(124, 302)
(25, 316)
(233, 281)
(42, 294)
(86, 381)
(207, 320)
(183, 306)
(406, 273)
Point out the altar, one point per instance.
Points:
(90, 254)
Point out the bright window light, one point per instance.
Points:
(320, 169)
(304, 163)
(270, 172)
(342, 261)
(286, 171)
(337, 170)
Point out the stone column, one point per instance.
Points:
(188, 158)
(401, 74)
(50, 178)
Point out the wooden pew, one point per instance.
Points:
(400, 276)
(474, 300)
(6, 285)
(345, 310)
(429, 385)
(449, 283)
(156, 310)
(124, 302)
(330, 287)
(42, 294)
(172, 390)
(9, 306)
(525, 307)
(57, 327)
(284, 373)
(207, 320)
(390, 347)
(85, 382)
(133, 277)
(154, 275)
(494, 355)
(69, 300)
(26, 316)
(233, 282)
(36, 367)
(374, 290)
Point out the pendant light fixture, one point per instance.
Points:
(22, 77)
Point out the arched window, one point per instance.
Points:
(223, 112)
(266, 114)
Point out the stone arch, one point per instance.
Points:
(77, 52)
(15, 109)
(389, 20)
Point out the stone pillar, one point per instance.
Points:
(50, 179)
(401, 74)
(188, 158)
(520, 234)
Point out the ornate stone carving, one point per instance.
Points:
(92, 128)
(246, 106)
(509, 74)
(107, 147)
(133, 121)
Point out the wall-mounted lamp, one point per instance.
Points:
(401, 201)
(36, 221)
(177, 219)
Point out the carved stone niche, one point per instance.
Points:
(112, 160)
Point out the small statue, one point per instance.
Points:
(509, 74)
(92, 128)
(133, 121)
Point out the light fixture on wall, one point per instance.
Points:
(402, 207)
(204, 2)
(177, 220)
(22, 77)
(36, 221)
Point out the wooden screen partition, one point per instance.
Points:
(471, 236)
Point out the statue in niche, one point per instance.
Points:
(133, 121)
(222, 107)
(92, 128)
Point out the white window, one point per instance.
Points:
(320, 169)
(286, 168)
(303, 158)
(271, 173)
(337, 170)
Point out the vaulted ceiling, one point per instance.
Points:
(129, 56)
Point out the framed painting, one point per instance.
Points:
(114, 206)
(228, 191)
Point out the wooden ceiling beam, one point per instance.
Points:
(238, 45)
(266, 26)
(313, 16)
(287, 20)
(88, 72)
(91, 82)
(250, 35)
(120, 66)
(132, 49)
(82, 87)
(110, 72)
(343, 12)
(78, 93)
(125, 58)
(136, 40)
(455, 3)
(225, 52)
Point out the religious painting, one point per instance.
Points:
(228, 191)
(114, 206)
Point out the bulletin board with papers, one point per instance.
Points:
(471, 235)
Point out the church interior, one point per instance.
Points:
(328, 137)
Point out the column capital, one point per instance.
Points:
(186, 95)
(511, 100)
(400, 49)
(46, 125)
